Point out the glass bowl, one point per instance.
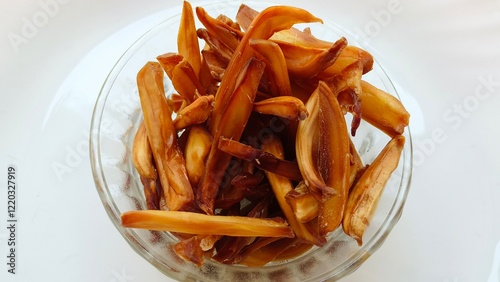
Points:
(117, 115)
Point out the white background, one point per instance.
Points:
(443, 55)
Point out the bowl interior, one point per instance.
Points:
(117, 116)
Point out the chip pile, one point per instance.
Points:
(258, 164)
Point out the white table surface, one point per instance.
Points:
(443, 56)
